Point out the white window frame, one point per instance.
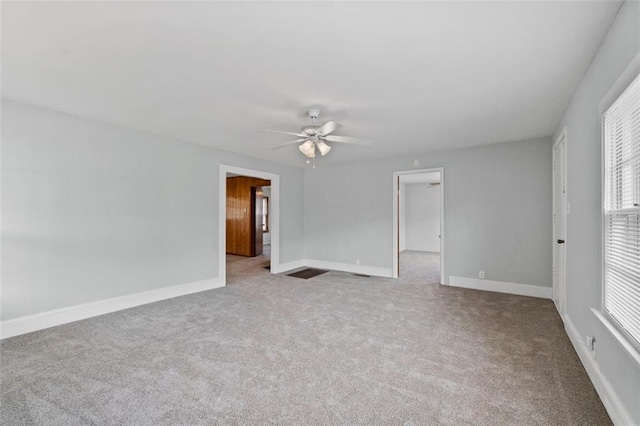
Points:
(628, 342)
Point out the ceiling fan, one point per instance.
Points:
(317, 136)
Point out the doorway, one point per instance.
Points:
(560, 211)
(243, 222)
(418, 224)
(245, 215)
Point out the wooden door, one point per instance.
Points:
(256, 220)
(234, 229)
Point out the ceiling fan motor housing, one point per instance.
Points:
(310, 130)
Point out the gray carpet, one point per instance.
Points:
(423, 266)
(334, 349)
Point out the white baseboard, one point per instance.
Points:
(502, 287)
(610, 400)
(288, 266)
(347, 267)
(30, 323)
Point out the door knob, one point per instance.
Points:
(560, 241)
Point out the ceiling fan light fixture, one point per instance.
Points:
(323, 148)
(316, 136)
(308, 149)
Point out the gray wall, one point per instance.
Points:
(422, 217)
(584, 259)
(91, 211)
(497, 211)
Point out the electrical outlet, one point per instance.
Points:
(481, 274)
(591, 345)
(357, 261)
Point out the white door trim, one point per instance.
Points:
(560, 282)
(274, 206)
(396, 179)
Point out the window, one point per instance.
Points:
(265, 214)
(621, 204)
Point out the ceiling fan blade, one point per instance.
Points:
(346, 139)
(288, 143)
(300, 135)
(328, 127)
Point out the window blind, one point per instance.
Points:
(622, 210)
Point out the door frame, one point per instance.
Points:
(396, 218)
(274, 207)
(559, 280)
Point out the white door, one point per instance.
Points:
(559, 222)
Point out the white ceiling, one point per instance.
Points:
(413, 77)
